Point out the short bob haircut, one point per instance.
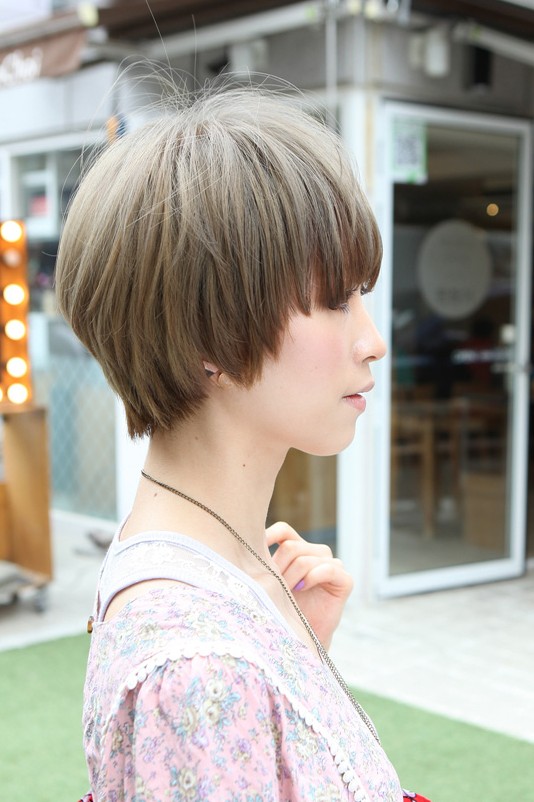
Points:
(197, 236)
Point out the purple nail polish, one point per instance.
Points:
(299, 585)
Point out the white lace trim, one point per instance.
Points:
(176, 653)
(170, 555)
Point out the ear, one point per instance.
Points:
(224, 380)
(215, 374)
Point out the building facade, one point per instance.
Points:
(437, 110)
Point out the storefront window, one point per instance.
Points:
(453, 339)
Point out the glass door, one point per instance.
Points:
(459, 273)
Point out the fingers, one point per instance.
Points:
(306, 573)
(279, 532)
(305, 565)
(332, 577)
(296, 572)
(294, 548)
(291, 543)
(302, 556)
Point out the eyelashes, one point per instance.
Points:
(344, 305)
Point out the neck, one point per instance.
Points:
(226, 470)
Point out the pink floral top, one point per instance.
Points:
(201, 691)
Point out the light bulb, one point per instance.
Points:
(11, 257)
(14, 294)
(17, 367)
(15, 329)
(17, 393)
(1, 394)
(11, 231)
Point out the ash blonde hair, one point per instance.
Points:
(197, 236)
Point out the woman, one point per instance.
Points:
(214, 263)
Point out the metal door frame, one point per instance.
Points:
(514, 565)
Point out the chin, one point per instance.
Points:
(330, 448)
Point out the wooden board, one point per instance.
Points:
(27, 490)
(5, 540)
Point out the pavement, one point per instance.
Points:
(466, 653)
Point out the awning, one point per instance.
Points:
(504, 16)
(137, 20)
(42, 58)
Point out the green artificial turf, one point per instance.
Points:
(41, 754)
(449, 761)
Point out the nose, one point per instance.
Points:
(372, 343)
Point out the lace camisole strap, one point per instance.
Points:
(171, 555)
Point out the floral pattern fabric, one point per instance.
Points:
(194, 695)
(406, 798)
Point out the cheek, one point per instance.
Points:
(314, 351)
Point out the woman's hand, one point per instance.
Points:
(318, 580)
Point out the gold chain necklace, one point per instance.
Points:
(325, 657)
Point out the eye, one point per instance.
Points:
(344, 305)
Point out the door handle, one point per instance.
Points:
(513, 367)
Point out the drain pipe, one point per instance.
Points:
(331, 8)
(504, 45)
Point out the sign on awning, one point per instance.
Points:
(44, 58)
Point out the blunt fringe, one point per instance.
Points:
(197, 236)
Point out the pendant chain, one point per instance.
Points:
(325, 657)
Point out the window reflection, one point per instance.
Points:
(452, 345)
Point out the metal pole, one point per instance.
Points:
(331, 9)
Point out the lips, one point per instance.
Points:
(366, 389)
(357, 401)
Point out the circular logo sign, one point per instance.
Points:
(454, 269)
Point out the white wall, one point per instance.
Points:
(77, 102)
(390, 68)
(130, 458)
